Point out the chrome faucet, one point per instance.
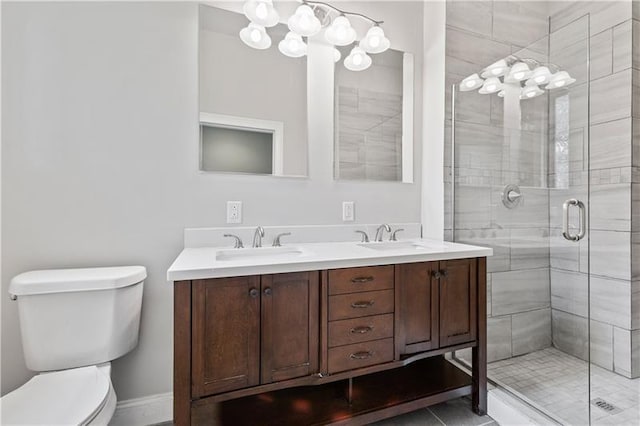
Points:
(257, 237)
(237, 240)
(380, 231)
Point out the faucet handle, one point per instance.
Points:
(365, 237)
(393, 234)
(238, 242)
(276, 240)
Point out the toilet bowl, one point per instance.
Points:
(78, 396)
(73, 322)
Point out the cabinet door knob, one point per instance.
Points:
(444, 273)
(268, 291)
(435, 274)
(253, 293)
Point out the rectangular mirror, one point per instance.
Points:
(253, 103)
(374, 119)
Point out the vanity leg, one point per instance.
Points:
(182, 353)
(479, 352)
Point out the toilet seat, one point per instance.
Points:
(67, 397)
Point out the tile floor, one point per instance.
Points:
(556, 383)
(456, 412)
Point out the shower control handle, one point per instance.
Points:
(582, 229)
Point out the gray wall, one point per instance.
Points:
(100, 157)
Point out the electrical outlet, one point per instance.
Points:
(348, 211)
(234, 211)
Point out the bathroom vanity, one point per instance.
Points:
(326, 333)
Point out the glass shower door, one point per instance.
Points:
(518, 181)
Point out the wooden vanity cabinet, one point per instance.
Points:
(253, 330)
(348, 346)
(437, 305)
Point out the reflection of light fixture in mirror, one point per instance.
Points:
(293, 45)
(336, 55)
(304, 21)
(358, 60)
(261, 12)
(491, 85)
(496, 69)
(501, 93)
(471, 83)
(560, 79)
(540, 75)
(519, 71)
(255, 36)
(375, 41)
(340, 32)
(530, 91)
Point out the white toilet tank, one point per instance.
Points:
(75, 317)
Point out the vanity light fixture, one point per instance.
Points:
(304, 22)
(336, 55)
(261, 12)
(340, 32)
(254, 35)
(541, 75)
(519, 71)
(496, 69)
(530, 91)
(471, 83)
(491, 85)
(375, 41)
(358, 60)
(560, 79)
(292, 45)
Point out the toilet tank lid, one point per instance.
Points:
(68, 280)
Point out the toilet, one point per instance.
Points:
(73, 322)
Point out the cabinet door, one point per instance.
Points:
(225, 334)
(290, 323)
(458, 287)
(417, 309)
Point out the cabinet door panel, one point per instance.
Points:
(458, 288)
(290, 323)
(417, 311)
(225, 334)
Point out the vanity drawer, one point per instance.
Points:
(347, 332)
(362, 304)
(360, 355)
(367, 278)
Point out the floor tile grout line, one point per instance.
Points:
(437, 418)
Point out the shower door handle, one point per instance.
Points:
(582, 229)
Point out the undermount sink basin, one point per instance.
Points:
(259, 253)
(393, 245)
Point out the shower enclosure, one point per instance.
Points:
(543, 182)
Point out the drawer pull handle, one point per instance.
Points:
(362, 329)
(359, 280)
(362, 304)
(361, 355)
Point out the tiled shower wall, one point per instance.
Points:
(493, 150)
(537, 282)
(610, 196)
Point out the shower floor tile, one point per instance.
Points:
(556, 383)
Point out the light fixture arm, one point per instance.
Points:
(343, 12)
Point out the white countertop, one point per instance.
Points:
(201, 263)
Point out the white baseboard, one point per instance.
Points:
(144, 411)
